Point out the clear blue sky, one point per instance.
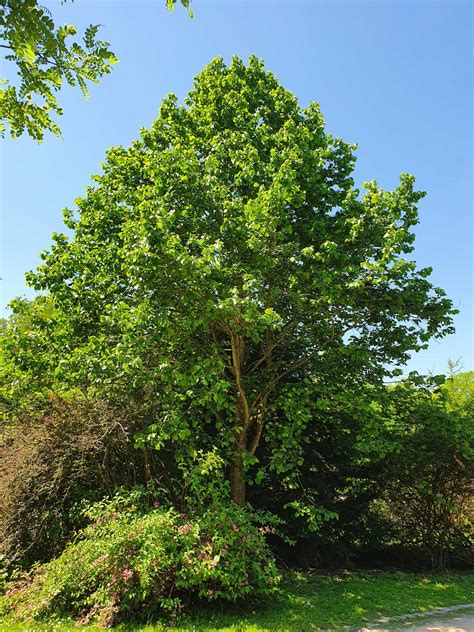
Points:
(395, 77)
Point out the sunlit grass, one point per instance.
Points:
(313, 602)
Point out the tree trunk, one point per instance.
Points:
(237, 478)
(237, 473)
(242, 420)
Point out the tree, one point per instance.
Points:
(25, 361)
(226, 260)
(45, 60)
(459, 389)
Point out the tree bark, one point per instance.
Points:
(237, 473)
(242, 419)
(237, 478)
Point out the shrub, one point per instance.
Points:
(80, 449)
(426, 484)
(133, 561)
(427, 496)
(396, 466)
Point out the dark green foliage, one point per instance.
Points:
(426, 479)
(331, 525)
(396, 466)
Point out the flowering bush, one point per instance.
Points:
(132, 561)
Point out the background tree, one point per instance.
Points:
(459, 389)
(45, 59)
(425, 486)
(227, 259)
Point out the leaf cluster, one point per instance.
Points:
(46, 57)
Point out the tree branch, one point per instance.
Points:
(237, 356)
(298, 363)
(259, 429)
(268, 351)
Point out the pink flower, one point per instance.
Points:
(235, 528)
(186, 528)
(127, 574)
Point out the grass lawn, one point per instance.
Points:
(312, 602)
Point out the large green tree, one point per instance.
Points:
(226, 260)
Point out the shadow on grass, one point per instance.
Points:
(311, 602)
(314, 602)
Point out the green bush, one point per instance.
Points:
(133, 561)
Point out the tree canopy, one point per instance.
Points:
(227, 261)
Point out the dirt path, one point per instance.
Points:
(441, 620)
(461, 623)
